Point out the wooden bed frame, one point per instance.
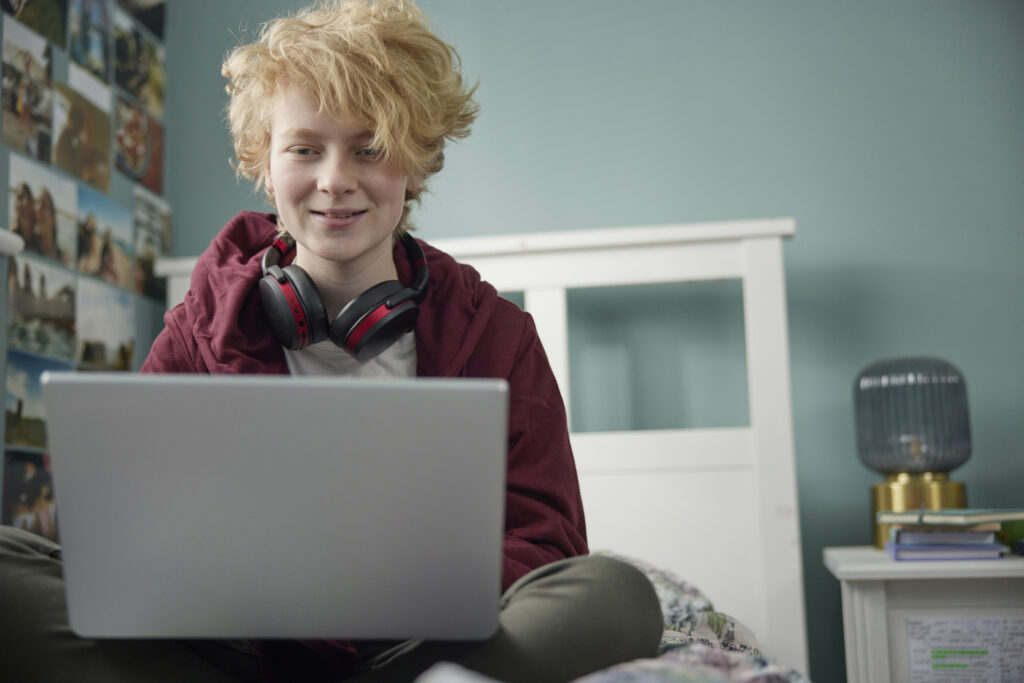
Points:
(717, 507)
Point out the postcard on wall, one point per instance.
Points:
(149, 13)
(139, 64)
(41, 308)
(152, 240)
(92, 88)
(24, 412)
(28, 494)
(83, 137)
(48, 18)
(43, 209)
(139, 145)
(106, 249)
(106, 326)
(948, 649)
(27, 91)
(89, 36)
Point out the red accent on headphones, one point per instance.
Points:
(367, 323)
(280, 245)
(298, 313)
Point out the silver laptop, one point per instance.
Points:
(263, 507)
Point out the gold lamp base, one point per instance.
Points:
(905, 491)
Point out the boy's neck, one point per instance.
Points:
(340, 284)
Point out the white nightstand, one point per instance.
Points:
(896, 613)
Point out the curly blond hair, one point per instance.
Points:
(375, 61)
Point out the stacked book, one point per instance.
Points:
(949, 534)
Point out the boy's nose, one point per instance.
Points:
(337, 178)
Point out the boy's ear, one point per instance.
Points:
(268, 183)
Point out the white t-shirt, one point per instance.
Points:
(324, 358)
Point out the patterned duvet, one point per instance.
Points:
(699, 645)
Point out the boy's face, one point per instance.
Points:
(332, 194)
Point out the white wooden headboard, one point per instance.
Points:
(718, 507)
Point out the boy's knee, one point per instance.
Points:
(623, 584)
(19, 543)
(614, 593)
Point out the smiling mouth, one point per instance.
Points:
(339, 214)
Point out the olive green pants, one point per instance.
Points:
(559, 622)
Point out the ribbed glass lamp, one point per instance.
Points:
(913, 427)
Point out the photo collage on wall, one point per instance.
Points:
(88, 258)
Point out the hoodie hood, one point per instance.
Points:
(223, 305)
(453, 316)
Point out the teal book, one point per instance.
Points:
(950, 516)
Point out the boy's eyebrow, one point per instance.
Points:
(361, 136)
(298, 132)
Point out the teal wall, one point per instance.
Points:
(891, 130)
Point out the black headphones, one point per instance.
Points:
(367, 325)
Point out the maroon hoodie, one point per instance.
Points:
(464, 329)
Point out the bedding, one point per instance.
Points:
(699, 645)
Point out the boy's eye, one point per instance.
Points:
(368, 153)
(300, 150)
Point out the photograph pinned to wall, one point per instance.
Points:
(28, 495)
(41, 308)
(105, 246)
(106, 326)
(48, 18)
(149, 13)
(139, 64)
(43, 209)
(27, 91)
(83, 136)
(152, 240)
(89, 37)
(138, 145)
(24, 412)
(96, 90)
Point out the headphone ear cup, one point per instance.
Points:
(293, 307)
(366, 326)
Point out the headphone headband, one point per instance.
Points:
(277, 251)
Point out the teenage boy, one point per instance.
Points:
(341, 113)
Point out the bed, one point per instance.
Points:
(710, 514)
